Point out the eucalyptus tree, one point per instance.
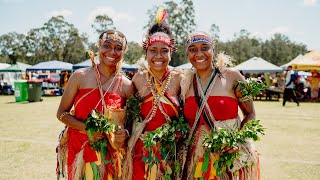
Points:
(11, 46)
(102, 23)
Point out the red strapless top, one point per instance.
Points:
(158, 119)
(87, 104)
(222, 108)
(77, 139)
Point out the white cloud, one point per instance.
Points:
(64, 13)
(112, 13)
(309, 2)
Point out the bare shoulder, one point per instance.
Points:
(232, 74)
(127, 87)
(177, 75)
(80, 73)
(139, 76)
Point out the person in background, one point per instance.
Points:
(314, 81)
(289, 91)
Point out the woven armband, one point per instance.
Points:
(127, 132)
(246, 98)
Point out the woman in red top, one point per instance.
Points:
(213, 86)
(159, 87)
(84, 94)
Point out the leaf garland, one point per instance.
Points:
(97, 122)
(228, 139)
(133, 110)
(225, 142)
(165, 138)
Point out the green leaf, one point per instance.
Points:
(205, 164)
(90, 134)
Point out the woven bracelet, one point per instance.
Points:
(62, 115)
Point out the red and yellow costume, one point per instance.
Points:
(157, 121)
(225, 115)
(223, 108)
(79, 140)
(80, 159)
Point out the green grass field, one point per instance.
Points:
(29, 132)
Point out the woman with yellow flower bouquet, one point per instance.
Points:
(152, 146)
(90, 146)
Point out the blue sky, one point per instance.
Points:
(298, 19)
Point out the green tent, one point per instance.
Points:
(19, 67)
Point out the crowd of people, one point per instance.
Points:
(207, 97)
(302, 87)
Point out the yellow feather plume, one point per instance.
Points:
(91, 55)
(161, 15)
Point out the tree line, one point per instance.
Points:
(60, 40)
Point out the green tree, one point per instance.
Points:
(242, 47)
(36, 46)
(11, 46)
(55, 40)
(102, 23)
(214, 32)
(280, 50)
(54, 35)
(74, 50)
(133, 53)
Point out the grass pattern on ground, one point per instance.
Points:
(29, 132)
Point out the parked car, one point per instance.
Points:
(50, 78)
(6, 89)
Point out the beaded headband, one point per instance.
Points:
(159, 38)
(199, 37)
(113, 36)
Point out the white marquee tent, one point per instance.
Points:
(257, 65)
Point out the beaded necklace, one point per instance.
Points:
(157, 95)
(98, 79)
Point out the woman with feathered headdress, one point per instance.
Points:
(152, 145)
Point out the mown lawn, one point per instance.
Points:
(29, 131)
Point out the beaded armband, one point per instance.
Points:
(63, 114)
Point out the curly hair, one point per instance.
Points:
(162, 27)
